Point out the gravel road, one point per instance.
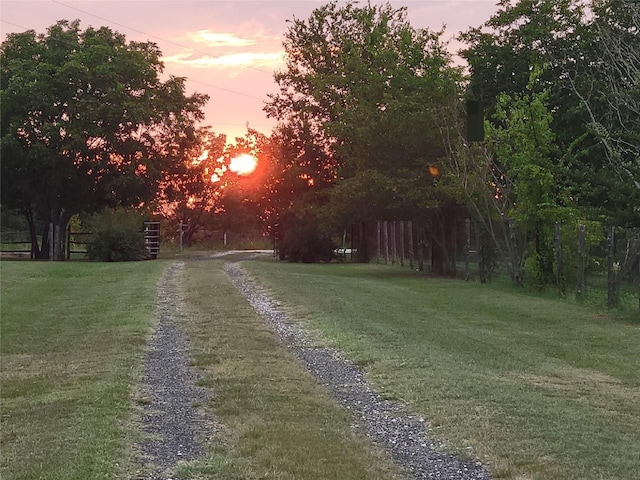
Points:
(172, 418)
(170, 413)
(404, 436)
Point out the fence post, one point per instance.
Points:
(467, 248)
(612, 297)
(379, 245)
(638, 247)
(68, 242)
(557, 240)
(393, 243)
(385, 235)
(402, 243)
(410, 235)
(51, 239)
(421, 246)
(482, 271)
(580, 282)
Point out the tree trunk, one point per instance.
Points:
(437, 257)
(515, 267)
(363, 255)
(612, 290)
(410, 235)
(39, 252)
(580, 282)
(59, 228)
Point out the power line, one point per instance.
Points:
(188, 79)
(151, 35)
(14, 24)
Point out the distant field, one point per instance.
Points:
(71, 343)
(537, 388)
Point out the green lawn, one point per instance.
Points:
(538, 388)
(72, 335)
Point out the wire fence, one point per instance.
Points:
(594, 263)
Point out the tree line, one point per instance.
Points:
(371, 126)
(377, 110)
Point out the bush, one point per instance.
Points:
(304, 243)
(117, 244)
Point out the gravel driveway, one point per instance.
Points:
(174, 420)
(386, 423)
(176, 427)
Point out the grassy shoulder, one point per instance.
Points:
(72, 338)
(276, 421)
(538, 388)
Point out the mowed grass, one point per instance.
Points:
(273, 419)
(536, 388)
(72, 337)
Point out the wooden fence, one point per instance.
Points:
(582, 264)
(18, 243)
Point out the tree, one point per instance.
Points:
(610, 89)
(191, 193)
(522, 146)
(364, 87)
(560, 38)
(86, 123)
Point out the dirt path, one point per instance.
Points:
(404, 436)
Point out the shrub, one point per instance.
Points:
(304, 243)
(117, 244)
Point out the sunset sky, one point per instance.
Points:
(226, 49)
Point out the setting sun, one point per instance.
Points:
(243, 164)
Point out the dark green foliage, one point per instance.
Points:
(117, 235)
(12, 221)
(305, 242)
(117, 244)
(86, 123)
(357, 110)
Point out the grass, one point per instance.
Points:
(277, 421)
(538, 388)
(72, 337)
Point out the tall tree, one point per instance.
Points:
(366, 85)
(522, 145)
(609, 85)
(190, 193)
(562, 38)
(86, 123)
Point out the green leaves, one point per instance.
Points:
(523, 144)
(371, 87)
(88, 114)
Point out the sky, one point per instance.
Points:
(228, 50)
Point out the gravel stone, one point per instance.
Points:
(170, 414)
(406, 437)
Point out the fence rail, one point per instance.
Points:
(71, 239)
(16, 238)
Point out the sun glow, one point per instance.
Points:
(243, 164)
